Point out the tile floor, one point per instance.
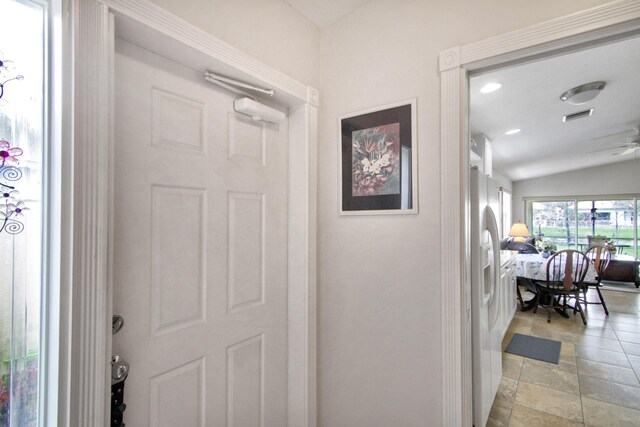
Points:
(597, 382)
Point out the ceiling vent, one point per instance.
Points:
(578, 115)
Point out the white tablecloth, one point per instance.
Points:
(533, 266)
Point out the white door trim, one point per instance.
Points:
(581, 28)
(89, 29)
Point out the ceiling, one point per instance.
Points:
(530, 100)
(325, 12)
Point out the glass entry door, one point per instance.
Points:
(22, 184)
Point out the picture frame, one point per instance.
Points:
(379, 160)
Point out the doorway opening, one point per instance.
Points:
(570, 180)
(587, 28)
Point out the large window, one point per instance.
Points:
(555, 221)
(22, 153)
(637, 217)
(568, 223)
(505, 212)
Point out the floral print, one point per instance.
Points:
(8, 154)
(11, 209)
(375, 161)
(16, 209)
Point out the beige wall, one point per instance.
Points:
(269, 30)
(379, 291)
(379, 314)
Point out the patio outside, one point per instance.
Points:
(568, 223)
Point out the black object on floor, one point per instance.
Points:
(535, 348)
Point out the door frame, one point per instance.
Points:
(89, 29)
(586, 28)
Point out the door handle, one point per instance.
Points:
(117, 322)
(119, 372)
(119, 369)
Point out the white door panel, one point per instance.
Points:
(200, 250)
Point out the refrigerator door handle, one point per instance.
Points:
(492, 228)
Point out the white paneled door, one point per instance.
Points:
(199, 250)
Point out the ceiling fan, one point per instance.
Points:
(630, 145)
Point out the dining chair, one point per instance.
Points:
(565, 276)
(524, 248)
(596, 241)
(600, 258)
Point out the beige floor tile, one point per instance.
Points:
(512, 357)
(522, 416)
(597, 414)
(569, 367)
(604, 343)
(549, 400)
(595, 332)
(596, 314)
(558, 377)
(568, 353)
(600, 360)
(623, 297)
(594, 310)
(635, 363)
(631, 348)
(628, 337)
(507, 389)
(600, 355)
(625, 327)
(606, 391)
(520, 329)
(627, 318)
(541, 330)
(511, 365)
(500, 414)
(604, 371)
(560, 324)
(521, 320)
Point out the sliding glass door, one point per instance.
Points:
(568, 223)
(554, 221)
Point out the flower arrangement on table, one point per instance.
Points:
(546, 247)
(610, 246)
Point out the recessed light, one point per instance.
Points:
(512, 132)
(490, 87)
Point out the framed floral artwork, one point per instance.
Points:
(378, 157)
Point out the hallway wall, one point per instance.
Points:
(379, 290)
(379, 314)
(268, 30)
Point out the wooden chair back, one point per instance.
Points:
(568, 266)
(597, 241)
(600, 257)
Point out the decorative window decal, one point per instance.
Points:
(11, 207)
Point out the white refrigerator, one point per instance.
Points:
(485, 296)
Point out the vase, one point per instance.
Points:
(546, 253)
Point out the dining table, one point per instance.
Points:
(532, 267)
